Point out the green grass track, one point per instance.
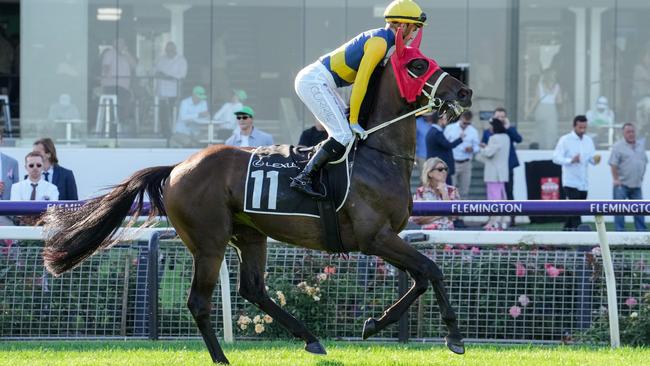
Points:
(73, 353)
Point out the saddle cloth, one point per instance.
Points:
(268, 177)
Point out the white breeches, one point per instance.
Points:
(316, 88)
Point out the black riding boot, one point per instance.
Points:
(330, 150)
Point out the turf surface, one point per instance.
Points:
(74, 353)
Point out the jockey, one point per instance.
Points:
(352, 63)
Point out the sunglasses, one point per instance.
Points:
(242, 117)
(37, 165)
(441, 169)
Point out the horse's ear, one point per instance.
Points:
(399, 43)
(418, 39)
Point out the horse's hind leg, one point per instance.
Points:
(252, 249)
(207, 243)
(394, 250)
(204, 279)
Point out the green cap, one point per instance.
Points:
(246, 110)
(241, 94)
(199, 92)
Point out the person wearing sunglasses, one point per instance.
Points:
(248, 135)
(35, 187)
(435, 188)
(351, 64)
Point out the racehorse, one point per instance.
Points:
(203, 198)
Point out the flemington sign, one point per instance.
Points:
(533, 208)
(423, 208)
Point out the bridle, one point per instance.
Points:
(434, 103)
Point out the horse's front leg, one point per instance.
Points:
(390, 247)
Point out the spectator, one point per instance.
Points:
(193, 110)
(628, 161)
(225, 116)
(438, 146)
(463, 153)
(501, 114)
(641, 78)
(54, 173)
(34, 187)
(6, 61)
(546, 108)
(247, 135)
(496, 155)
(9, 176)
(574, 151)
(313, 135)
(63, 109)
(422, 127)
(601, 120)
(117, 67)
(170, 70)
(434, 188)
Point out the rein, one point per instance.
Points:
(434, 103)
(392, 155)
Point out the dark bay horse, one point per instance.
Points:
(203, 198)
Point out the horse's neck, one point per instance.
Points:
(397, 139)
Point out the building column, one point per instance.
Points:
(595, 82)
(580, 59)
(177, 19)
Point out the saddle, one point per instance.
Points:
(269, 171)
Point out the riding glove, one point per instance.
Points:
(358, 130)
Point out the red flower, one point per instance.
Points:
(521, 270)
(553, 271)
(329, 270)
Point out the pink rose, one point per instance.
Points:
(515, 311)
(521, 270)
(552, 271)
(524, 300)
(475, 251)
(631, 301)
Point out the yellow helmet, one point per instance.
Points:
(405, 11)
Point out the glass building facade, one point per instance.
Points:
(91, 72)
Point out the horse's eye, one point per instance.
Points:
(418, 67)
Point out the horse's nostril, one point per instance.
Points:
(464, 94)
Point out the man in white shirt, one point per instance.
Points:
(464, 152)
(170, 69)
(35, 187)
(192, 111)
(574, 152)
(225, 117)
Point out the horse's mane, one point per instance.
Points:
(370, 100)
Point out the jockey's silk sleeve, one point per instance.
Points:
(374, 51)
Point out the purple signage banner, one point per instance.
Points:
(38, 207)
(530, 208)
(424, 208)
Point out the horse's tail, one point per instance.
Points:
(72, 236)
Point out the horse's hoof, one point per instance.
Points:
(457, 346)
(315, 348)
(369, 328)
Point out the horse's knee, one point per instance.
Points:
(433, 271)
(251, 292)
(420, 286)
(198, 307)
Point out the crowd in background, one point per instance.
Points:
(448, 150)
